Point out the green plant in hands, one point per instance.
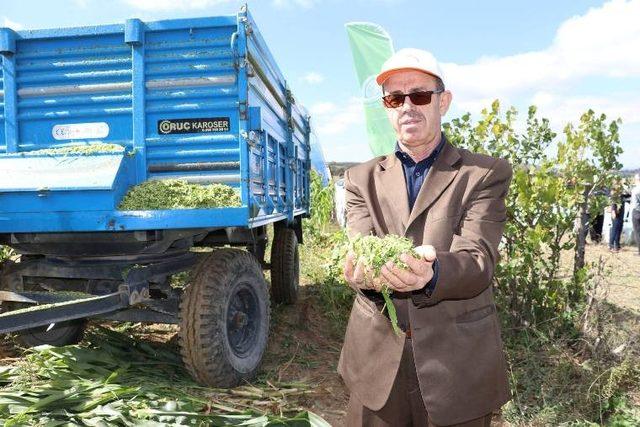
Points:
(374, 252)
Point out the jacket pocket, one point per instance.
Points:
(477, 314)
(363, 306)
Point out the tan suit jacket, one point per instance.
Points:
(460, 210)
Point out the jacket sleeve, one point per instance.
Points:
(358, 216)
(467, 268)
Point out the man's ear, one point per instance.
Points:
(445, 102)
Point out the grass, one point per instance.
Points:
(560, 381)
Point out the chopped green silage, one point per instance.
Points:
(374, 252)
(115, 380)
(77, 150)
(178, 194)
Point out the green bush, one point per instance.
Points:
(548, 191)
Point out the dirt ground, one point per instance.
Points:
(622, 283)
(301, 348)
(624, 280)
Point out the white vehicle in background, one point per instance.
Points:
(341, 208)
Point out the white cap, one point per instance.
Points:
(410, 59)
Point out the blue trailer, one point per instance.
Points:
(200, 100)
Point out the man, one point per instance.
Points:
(617, 218)
(635, 210)
(447, 368)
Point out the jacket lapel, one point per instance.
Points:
(394, 201)
(437, 180)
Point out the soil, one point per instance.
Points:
(622, 284)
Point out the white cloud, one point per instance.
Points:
(313, 78)
(6, 22)
(561, 109)
(602, 42)
(155, 5)
(322, 108)
(330, 120)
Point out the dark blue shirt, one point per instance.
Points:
(414, 174)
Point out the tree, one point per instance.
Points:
(545, 197)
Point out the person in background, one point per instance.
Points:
(635, 211)
(617, 219)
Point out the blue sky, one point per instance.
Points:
(564, 56)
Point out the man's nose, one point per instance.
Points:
(407, 104)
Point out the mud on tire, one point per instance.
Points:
(224, 319)
(285, 266)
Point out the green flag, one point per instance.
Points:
(370, 47)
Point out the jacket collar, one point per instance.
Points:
(393, 198)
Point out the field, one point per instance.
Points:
(553, 383)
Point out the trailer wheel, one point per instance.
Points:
(61, 334)
(224, 319)
(285, 266)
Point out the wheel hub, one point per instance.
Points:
(242, 320)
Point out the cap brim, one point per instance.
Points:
(382, 77)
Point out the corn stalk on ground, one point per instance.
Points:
(115, 380)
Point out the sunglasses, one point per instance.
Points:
(396, 100)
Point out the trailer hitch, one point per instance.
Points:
(56, 307)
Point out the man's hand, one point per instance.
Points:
(358, 277)
(418, 274)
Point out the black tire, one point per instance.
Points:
(64, 333)
(61, 334)
(285, 266)
(228, 288)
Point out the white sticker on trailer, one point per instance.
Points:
(80, 131)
